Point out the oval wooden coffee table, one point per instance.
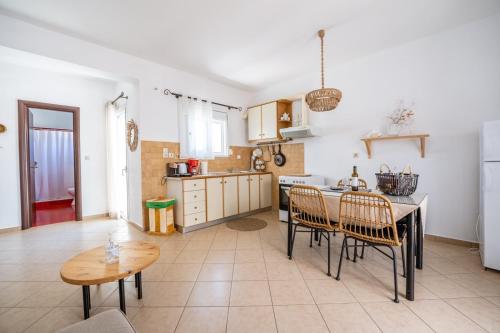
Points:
(90, 268)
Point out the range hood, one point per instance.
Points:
(299, 108)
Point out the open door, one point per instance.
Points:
(33, 166)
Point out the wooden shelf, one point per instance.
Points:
(420, 137)
(285, 121)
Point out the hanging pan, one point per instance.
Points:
(279, 158)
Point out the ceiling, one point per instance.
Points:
(248, 44)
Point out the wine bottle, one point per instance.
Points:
(354, 179)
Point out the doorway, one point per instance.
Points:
(49, 159)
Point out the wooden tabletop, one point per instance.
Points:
(89, 267)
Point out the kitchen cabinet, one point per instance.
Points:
(264, 121)
(243, 194)
(265, 188)
(215, 208)
(230, 196)
(254, 192)
(254, 123)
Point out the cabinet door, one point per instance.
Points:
(214, 199)
(254, 192)
(243, 194)
(265, 190)
(230, 196)
(269, 120)
(254, 123)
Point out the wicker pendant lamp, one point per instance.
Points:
(324, 99)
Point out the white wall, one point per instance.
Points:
(155, 113)
(453, 77)
(17, 82)
(52, 119)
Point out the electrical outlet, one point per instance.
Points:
(165, 153)
(355, 155)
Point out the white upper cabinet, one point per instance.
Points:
(215, 208)
(269, 121)
(243, 194)
(230, 196)
(254, 123)
(265, 186)
(265, 121)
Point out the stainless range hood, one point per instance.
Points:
(303, 129)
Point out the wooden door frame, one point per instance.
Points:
(24, 167)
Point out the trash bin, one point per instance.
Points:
(161, 216)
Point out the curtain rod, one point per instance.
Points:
(122, 95)
(177, 95)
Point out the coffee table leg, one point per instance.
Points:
(86, 301)
(121, 288)
(138, 284)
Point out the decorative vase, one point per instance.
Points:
(394, 129)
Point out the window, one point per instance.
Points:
(219, 134)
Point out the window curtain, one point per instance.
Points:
(112, 166)
(195, 128)
(53, 152)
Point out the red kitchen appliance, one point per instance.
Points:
(193, 166)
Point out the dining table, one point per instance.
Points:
(410, 210)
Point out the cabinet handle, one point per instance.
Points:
(195, 196)
(196, 219)
(195, 207)
(194, 184)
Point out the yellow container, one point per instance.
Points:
(161, 216)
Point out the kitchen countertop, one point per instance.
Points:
(221, 174)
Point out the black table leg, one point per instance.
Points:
(121, 289)
(316, 235)
(86, 301)
(138, 284)
(289, 238)
(420, 240)
(410, 257)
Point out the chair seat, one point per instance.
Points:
(385, 232)
(321, 222)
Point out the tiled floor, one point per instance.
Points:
(219, 280)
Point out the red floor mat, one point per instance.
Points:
(49, 212)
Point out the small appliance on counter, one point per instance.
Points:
(177, 169)
(193, 166)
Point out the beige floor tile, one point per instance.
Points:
(12, 293)
(220, 257)
(216, 272)
(329, 291)
(131, 311)
(250, 271)
(19, 319)
(246, 293)
(166, 293)
(299, 318)
(442, 317)
(182, 272)
(210, 294)
(56, 319)
(367, 289)
(446, 266)
(420, 291)
(275, 255)
(495, 300)
(393, 317)
(98, 294)
(203, 320)
(246, 241)
(160, 320)
(480, 311)
(477, 284)
(290, 292)
(154, 272)
(249, 256)
(251, 319)
(224, 241)
(314, 269)
(283, 271)
(191, 257)
(446, 288)
(130, 297)
(50, 294)
(348, 317)
(199, 244)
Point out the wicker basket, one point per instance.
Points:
(399, 184)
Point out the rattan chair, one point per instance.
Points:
(369, 218)
(308, 210)
(362, 184)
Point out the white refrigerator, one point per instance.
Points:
(489, 203)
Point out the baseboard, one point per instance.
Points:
(6, 230)
(451, 241)
(94, 217)
(135, 225)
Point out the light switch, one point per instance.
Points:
(165, 153)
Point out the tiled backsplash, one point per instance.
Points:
(154, 166)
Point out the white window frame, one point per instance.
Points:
(221, 117)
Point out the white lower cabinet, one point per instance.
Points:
(265, 185)
(215, 207)
(230, 196)
(243, 194)
(254, 192)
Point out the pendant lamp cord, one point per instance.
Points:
(321, 34)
